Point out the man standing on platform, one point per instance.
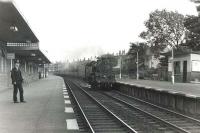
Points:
(17, 80)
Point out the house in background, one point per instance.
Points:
(149, 59)
(147, 64)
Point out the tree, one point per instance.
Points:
(106, 62)
(164, 28)
(136, 52)
(137, 47)
(195, 1)
(193, 35)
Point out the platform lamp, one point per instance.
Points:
(172, 77)
(137, 66)
(13, 28)
(120, 69)
(120, 64)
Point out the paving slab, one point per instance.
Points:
(43, 112)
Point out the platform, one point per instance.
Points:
(44, 112)
(190, 89)
(182, 97)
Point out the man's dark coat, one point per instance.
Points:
(16, 76)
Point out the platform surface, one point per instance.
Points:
(44, 111)
(189, 89)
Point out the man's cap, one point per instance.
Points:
(16, 61)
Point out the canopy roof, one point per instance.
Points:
(31, 55)
(18, 36)
(13, 27)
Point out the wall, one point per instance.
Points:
(174, 101)
(195, 68)
(3, 81)
(30, 73)
(3, 70)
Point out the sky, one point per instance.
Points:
(74, 29)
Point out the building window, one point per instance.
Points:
(177, 67)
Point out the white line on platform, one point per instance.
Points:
(173, 92)
(64, 90)
(190, 95)
(69, 110)
(72, 124)
(67, 102)
(65, 93)
(66, 96)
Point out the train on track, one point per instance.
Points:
(99, 74)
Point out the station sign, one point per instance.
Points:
(10, 56)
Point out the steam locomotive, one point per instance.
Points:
(100, 73)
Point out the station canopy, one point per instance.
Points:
(17, 34)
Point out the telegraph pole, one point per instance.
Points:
(120, 69)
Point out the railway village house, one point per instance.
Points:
(147, 62)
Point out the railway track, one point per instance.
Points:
(96, 116)
(188, 124)
(142, 116)
(136, 119)
(83, 128)
(177, 121)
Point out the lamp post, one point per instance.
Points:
(172, 66)
(120, 67)
(13, 28)
(137, 75)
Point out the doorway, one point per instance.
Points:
(184, 71)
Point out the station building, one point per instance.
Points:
(17, 41)
(3, 64)
(186, 66)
